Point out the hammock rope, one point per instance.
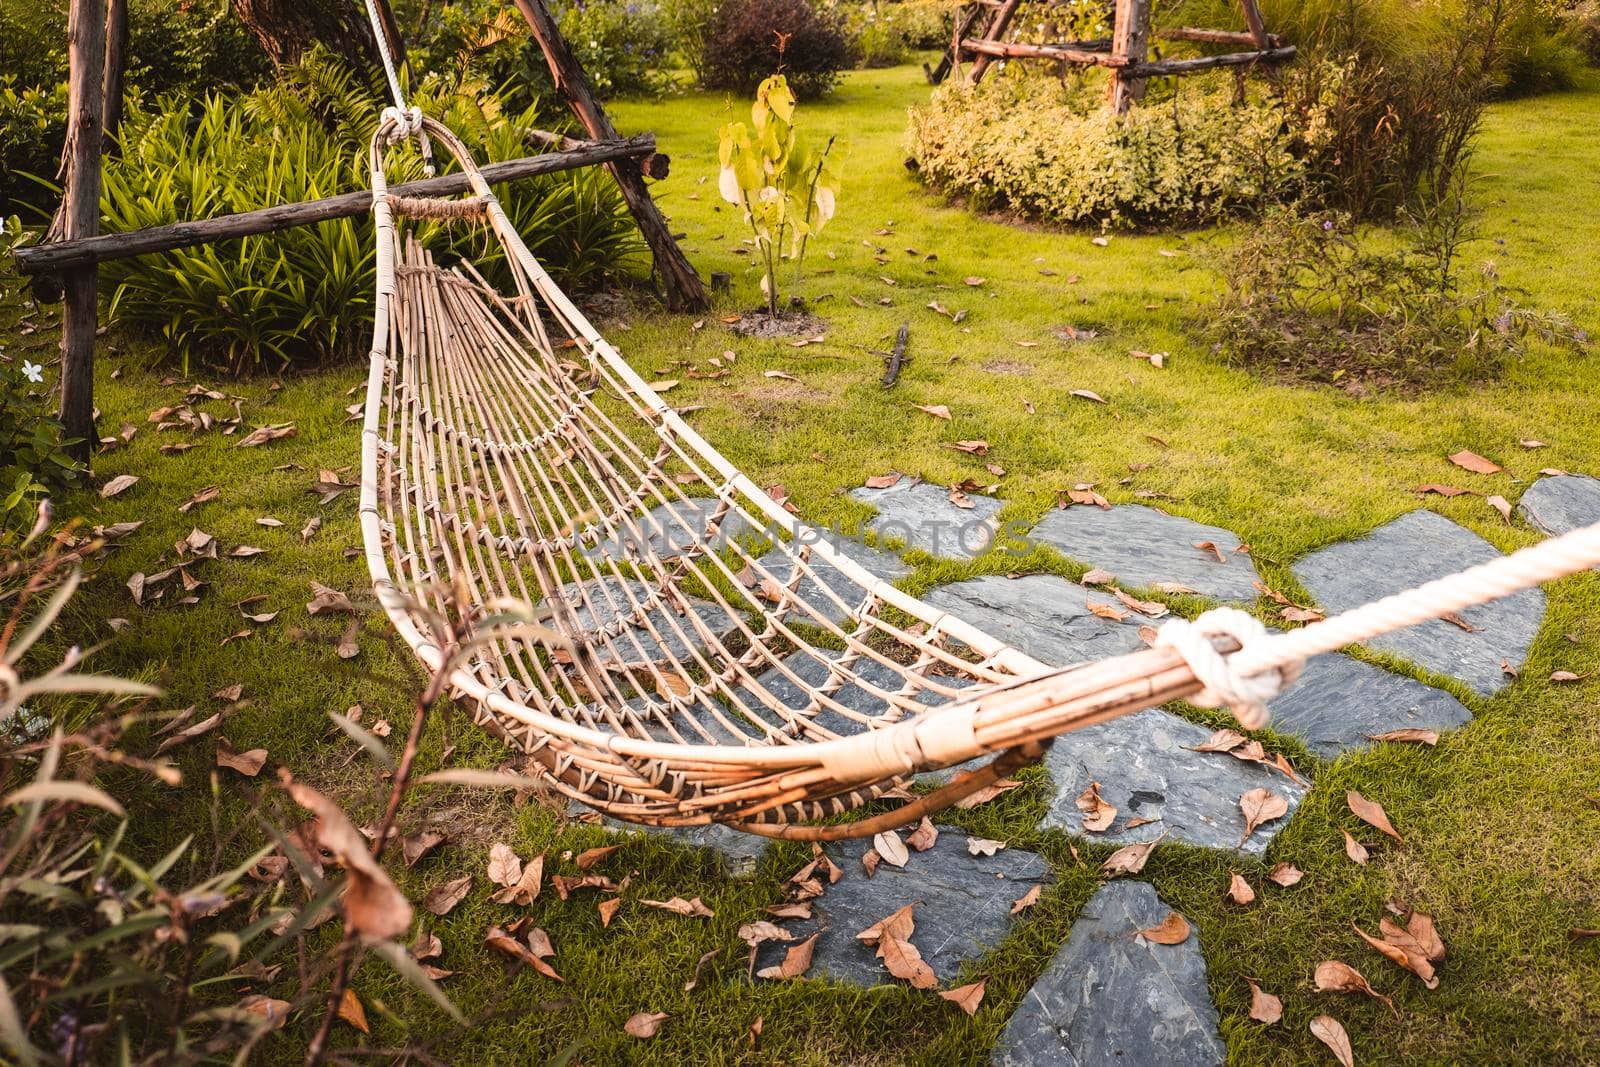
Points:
(686, 650)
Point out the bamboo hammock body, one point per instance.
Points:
(671, 676)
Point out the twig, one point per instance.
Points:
(897, 358)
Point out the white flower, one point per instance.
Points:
(32, 371)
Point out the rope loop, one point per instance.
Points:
(1245, 695)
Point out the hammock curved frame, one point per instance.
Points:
(508, 445)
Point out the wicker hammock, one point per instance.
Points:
(700, 654)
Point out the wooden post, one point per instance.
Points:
(391, 33)
(1130, 43)
(111, 86)
(80, 215)
(1257, 25)
(996, 32)
(682, 286)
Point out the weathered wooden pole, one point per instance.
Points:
(80, 215)
(1257, 25)
(391, 32)
(111, 85)
(996, 33)
(680, 283)
(1130, 44)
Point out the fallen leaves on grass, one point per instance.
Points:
(498, 939)
(524, 889)
(1336, 976)
(505, 867)
(966, 997)
(118, 485)
(1410, 733)
(1089, 394)
(1285, 874)
(938, 411)
(1328, 1030)
(374, 908)
(351, 1011)
(1371, 813)
(262, 434)
(248, 763)
(589, 857)
(644, 1024)
(325, 599)
(1354, 849)
(1129, 859)
(1264, 1007)
(1239, 890)
(1471, 461)
(1502, 505)
(679, 906)
(1172, 930)
(1400, 948)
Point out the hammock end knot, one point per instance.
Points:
(1245, 695)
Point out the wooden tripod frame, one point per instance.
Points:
(68, 262)
(980, 37)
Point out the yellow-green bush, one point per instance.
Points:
(1026, 143)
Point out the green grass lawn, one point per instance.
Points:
(1501, 820)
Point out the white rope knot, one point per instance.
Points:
(1245, 695)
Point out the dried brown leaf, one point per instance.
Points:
(891, 848)
(966, 997)
(1329, 1031)
(1172, 930)
(1129, 859)
(1371, 813)
(1285, 874)
(1419, 736)
(1026, 900)
(796, 962)
(443, 898)
(1354, 849)
(1098, 815)
(1239, 890)
(923, 837)
(351, 1011)
(1264, 1007)
(1471, 461)
(1336, 976)
(644, 1024)
(1259, 806)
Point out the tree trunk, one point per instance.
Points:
(111, 86)
(288, 29)
(80, 216)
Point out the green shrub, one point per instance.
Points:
(1307, 297)
(1539, 52)
(33, 124)
(304, 295)
(754, 39)
(1580, 21)
(688, 23)
(886, 32)
(1024, 142)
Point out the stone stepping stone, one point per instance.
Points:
(1416, 548)
(608, 608)
(1338, 702)
(1041, 614)
(921, 515)
(963, 908)
(885, 565)
(737, 851)
(814, 671)
(671, 530)
(1146, 770)
(1143, 546)
(1561, 503)
(1112, 997)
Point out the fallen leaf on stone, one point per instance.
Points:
(1088, 394)
(983, 846)
(869, 862)
(248, 763)
(1411, 733)
(1172, 587)
(938, 411)
(1327, 1029)
(1223, 740)
(1471, 461)
(120, 484)
(1097, 814)
(966, 997)
(1129, 859)
(1336, 976)
(1211, 547)
(1105, 611)
(883, 481)
(799, 910)
(1354, 849)
(1264, 1007)
(1239, 890)
(505, 868)
(1098, 577)
(1172, 930)
(1371, 813)
(923, 837)
(679, 906)
(1285, 874)
(755, 933)
(1260, 806)
(960, 499)
(900, 924)
(891, 848)
(904, 961)
(796, 962)
(1025, 901)
(351, 1011)
(1457, 621)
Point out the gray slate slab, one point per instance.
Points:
(610, 599)
(1042, 615)
(963, 908)
(921, 515)
(1142, 546)
(672, 529)
(737, 851)
(1145, 769)
(1111, 997)
(1561, 503)
(1339, 701)
(883, 564)
(1416, 548)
